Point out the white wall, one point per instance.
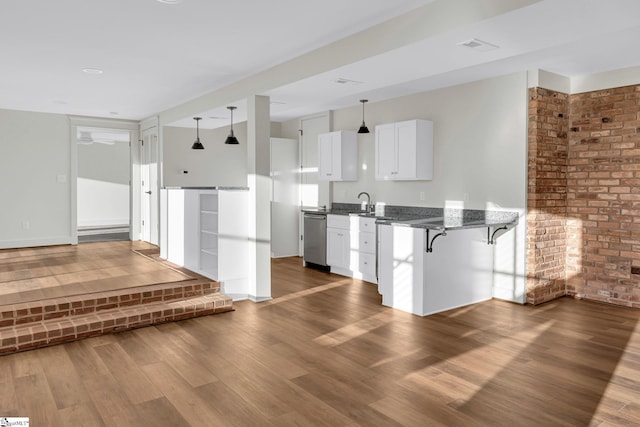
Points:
(34, 171)
(480, 158)
(479, 145)
(605, 80)
(103, 184)
(218, 164)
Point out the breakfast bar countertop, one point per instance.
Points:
(426, 217)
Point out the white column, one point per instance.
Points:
(259, 183)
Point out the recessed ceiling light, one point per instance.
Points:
(479, 45)
(278, 103)
(217, 118)
(113, 113)
(59, 102)
(92, 71)
(169, 1)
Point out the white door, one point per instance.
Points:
(313, 193)
(149, 184)
(285, 202)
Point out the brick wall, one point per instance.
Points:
(603, 194)
(547, 195)
(583, 216)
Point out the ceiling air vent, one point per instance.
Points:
(479, 45)
(343, 81)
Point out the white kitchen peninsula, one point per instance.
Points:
(205, 229)
(458, 271)
(437, 263)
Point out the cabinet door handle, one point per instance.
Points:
(340, 234)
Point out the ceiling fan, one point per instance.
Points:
(87, 138)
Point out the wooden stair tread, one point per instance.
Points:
(14, 314)
(32, 325)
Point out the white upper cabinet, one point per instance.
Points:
(404, 150)
(338, 156)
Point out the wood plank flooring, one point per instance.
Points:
(59, 271)
(324, 352)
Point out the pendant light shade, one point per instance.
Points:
(363, 127)
(197, 145)
(231, 139)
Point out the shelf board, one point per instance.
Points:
(209, 252)
(212, 233)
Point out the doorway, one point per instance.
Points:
(103, 191)
(313, 193)
(149, 185)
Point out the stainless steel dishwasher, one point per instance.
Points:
(315, 238)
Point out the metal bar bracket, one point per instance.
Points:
(429, 247)
(491, 237)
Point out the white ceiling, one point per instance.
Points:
(155, 56)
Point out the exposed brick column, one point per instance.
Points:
(547, 195)
(603, 191)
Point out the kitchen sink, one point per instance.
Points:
(372, 215)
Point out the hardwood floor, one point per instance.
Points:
(59, 271)
(324, 352)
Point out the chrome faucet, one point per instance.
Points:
(368, 207)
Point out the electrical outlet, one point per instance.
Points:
(25, 225)
(465, 197)
(422, 196)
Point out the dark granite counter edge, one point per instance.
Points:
(428, 218)
(228, 188)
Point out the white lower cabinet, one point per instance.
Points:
(458, 271)
(366, 249)
(351, 246)
(338, 242)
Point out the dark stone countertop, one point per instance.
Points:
(424, 217)
(208, 188)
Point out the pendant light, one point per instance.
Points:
(363, 127)
(231, 139)
(197, 145)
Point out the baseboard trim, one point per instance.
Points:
(29, 243)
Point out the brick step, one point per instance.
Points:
(24, 313)
(42, 333)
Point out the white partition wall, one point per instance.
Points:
(206, 232)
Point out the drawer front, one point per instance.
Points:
(368, 225)
(367, 264)
(338, 221)
(367, 242)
